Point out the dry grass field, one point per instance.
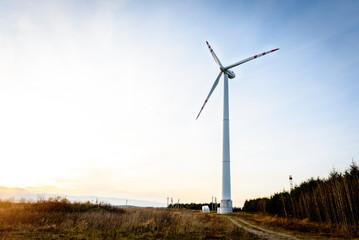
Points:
(60, 219)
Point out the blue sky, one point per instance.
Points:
(100, 97)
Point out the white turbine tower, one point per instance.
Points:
(226, 202)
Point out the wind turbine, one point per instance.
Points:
(226, 202)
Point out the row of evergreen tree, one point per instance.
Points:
(333, 200)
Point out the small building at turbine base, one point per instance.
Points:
(205, 209)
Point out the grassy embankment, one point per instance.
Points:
(60, 219)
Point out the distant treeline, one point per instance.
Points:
(198, 206)
(333, 200)
(193, 206)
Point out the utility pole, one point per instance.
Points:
(171, 202)
(212, 204)
(215, 199)
(167, 201)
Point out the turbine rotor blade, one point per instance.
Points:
(251, 58)
(214, 56)
(210, 93)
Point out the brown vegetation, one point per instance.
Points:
(60, 219)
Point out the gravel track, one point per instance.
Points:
(260, 232)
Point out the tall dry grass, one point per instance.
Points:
(60, 219)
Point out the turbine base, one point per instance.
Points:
(226, 207)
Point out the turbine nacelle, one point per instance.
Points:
(230, 74)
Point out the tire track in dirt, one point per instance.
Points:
(260, 232)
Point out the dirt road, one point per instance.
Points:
(260, 232)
